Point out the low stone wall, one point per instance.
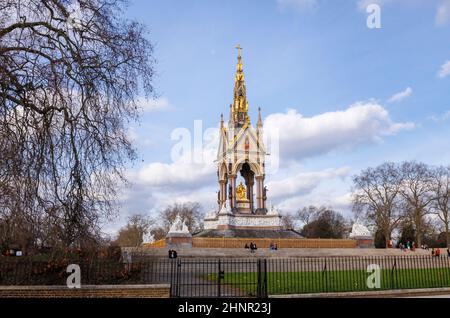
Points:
(226, 242)
(156, 244)
(87, 291)
(203, 242)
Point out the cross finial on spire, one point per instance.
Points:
(239, 49)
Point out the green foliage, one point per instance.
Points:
(379, 239)
(325, 223)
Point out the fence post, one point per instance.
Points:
(219, 274)
(324, 273)
(392, 273)
(175, 279)
(172, 277)
(262, 278)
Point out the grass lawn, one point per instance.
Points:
(337, 281)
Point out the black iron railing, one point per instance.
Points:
(191, 277)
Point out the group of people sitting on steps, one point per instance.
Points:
(173, 254)
(252, 247)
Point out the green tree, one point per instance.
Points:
(326, 223)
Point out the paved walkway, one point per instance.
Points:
(282, 253)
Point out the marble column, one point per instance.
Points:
(258, 192)
(223, 191)
(232, 195)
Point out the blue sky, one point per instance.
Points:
(318, 73)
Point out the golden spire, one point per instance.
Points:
(240, 104)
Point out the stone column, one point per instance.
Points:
(258, 192)
(232, 195)
(223, 191)
(250, 194)
(263, 199)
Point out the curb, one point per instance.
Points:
(373, 294)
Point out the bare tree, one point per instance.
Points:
(441, 203)
(306, 214)
(190, 212)
(417, 192)
(377, 197)
(158, 232)
(132, 234)
(288, 220)
(70, 74)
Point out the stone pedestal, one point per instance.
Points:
(361, 235)
(243, 206)
(364, 241)
(178, 240)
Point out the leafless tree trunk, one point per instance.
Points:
(441, 193)
(132, 234)
(417, 192)
(70, 72)
(190, 212)
(288, 221)
(377, 197)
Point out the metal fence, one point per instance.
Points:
(345, 274)
(92, 273)
(252, 277)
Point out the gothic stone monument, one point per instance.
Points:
(178, 235)
(241, 203)
(362, 235)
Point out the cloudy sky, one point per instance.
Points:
(340, 96)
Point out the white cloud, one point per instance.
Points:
(177, 174)
(341, 202)
(193, 168)
(152, 105)
(443, 117)
(443, 13)
(132, 134)
(444, 71)
(299, 5)
(189, 178)
(301, 137)
(398, 97)
(303, 182)
(158, 184)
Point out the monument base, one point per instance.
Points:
(178, 240)
(229, 220)
(243, 206)
(364, 241)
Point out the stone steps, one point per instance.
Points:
(282, 253)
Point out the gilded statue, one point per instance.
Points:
(241, 192)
